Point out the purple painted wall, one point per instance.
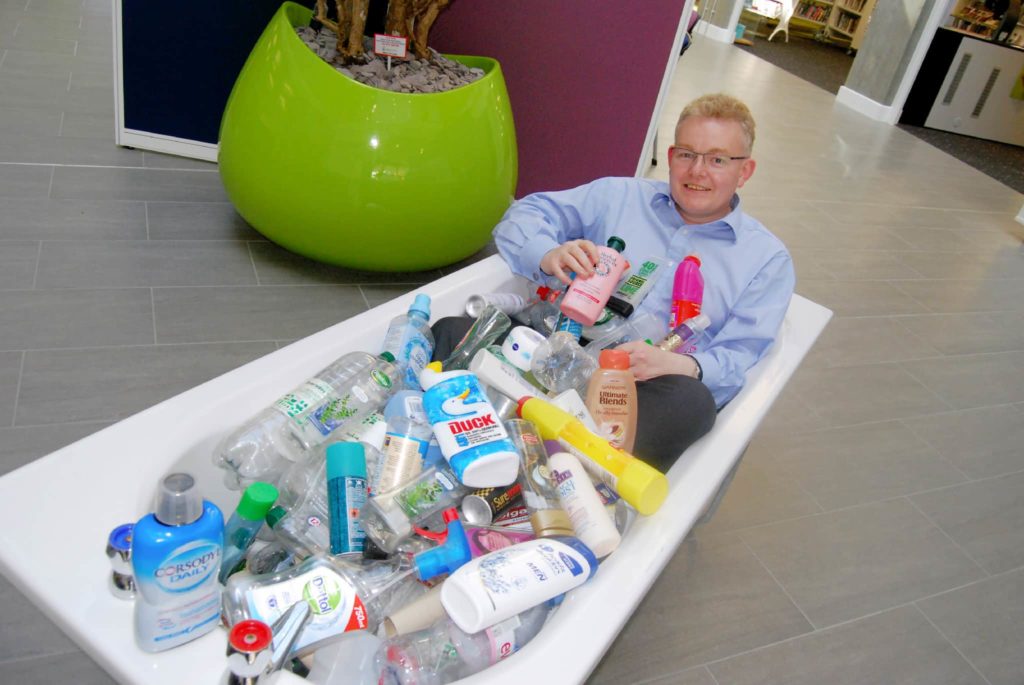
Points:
(583, 77)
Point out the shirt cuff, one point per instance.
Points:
(530, 256)
(710, 369)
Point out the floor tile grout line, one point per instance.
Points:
(35, 272)
(814, 628)
(34, 657)
(145, 212)
(902, 418)
(49, 189)
(951, 643)
(949, 537)
(714, 679)
(927, 387)
(252, 262)
(81, 422)
(17, 388)
(365, 299)
(924, 442)
(152, 306)
(126, 168)
(60, 127)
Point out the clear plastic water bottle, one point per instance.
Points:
(411, 342)
(543, 314)
(560, 363)
(443, 652)
(488, 327)
(347, 391)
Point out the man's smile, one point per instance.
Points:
(694, 186)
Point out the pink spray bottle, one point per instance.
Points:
(687, 291)
(586, 297)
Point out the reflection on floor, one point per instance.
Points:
(875, 533)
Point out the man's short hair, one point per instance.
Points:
(722, 106)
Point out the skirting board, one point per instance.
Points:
(716, 33)
(866, 106)
(167, 144)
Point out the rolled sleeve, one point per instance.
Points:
(540, 222)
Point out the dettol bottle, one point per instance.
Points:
(344, 594)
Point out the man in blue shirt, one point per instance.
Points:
(748, 273)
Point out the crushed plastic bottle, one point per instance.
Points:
(560, 363)
(444, 652)
(345, 392)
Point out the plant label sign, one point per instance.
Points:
(390, 46)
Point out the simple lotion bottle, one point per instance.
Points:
(176, 553)
(502, 584)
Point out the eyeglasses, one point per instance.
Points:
(713, 160)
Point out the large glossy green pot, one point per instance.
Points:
(361, 177)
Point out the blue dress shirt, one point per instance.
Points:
(748, 274)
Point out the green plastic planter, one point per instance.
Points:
(360, 177)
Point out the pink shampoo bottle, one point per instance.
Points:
(586, 297)
(687, 291)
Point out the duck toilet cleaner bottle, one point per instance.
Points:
(176, 553)
(687, 291)
(586, 297)
(467, 428)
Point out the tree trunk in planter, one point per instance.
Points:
(411, 19)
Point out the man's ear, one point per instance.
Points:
(746, 171)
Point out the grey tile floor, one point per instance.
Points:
(872, 533)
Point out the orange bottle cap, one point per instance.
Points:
(613, 359)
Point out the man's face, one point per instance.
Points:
(702, 192)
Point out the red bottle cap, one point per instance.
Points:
(692, 258)
(250, 636)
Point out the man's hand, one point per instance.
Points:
(576, 255)
(647, 361)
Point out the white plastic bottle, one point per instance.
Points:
(348, 390)
(501, 376)
(176, 554)
(411, 342)
(590, 519)
(468, 429)
(499, 585)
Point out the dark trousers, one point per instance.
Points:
(672, 412)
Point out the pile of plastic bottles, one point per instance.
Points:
(395, 511)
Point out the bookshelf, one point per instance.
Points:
(971, 17)
(843, 22)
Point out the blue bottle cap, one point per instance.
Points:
(346, 459)
(421, 304)
(444, 558)
(121, 537)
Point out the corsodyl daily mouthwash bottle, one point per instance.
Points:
(176, 553)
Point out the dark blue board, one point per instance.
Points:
(180, 60)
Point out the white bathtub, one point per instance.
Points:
(60, 508)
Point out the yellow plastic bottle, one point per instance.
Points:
(611, 399)
(639, 483)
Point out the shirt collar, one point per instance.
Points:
(726, 228)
